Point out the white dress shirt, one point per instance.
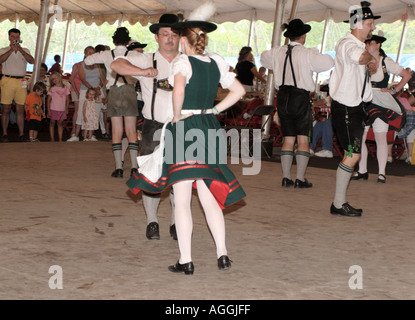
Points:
(105, 57)
(348, 77)
(163, 104)
(16, 64)
(305, 62)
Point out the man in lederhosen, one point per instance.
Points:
(293, 66)
(158, 105)
(350, 89)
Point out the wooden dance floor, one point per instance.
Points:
(61, 213)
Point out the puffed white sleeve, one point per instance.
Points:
(181, 65)
(137, 59)
(227, 77)
(392, 66)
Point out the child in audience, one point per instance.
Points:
(34, 111)
(58, 104)
(90, 121)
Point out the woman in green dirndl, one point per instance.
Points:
(193, 141)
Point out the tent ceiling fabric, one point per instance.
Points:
(145, 11)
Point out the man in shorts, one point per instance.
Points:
(158, 104)
(350, 89)
(14, 60)
(293, 66)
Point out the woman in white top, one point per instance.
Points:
(380, 115)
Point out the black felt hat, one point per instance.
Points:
(203, 25)
(296, 28)
(378, 38)
(361, 13)
(167, 20)
(135, 45)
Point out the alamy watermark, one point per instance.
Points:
(356, 280)
(240, 145)
(56, 280)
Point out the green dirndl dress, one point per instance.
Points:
(195, 148)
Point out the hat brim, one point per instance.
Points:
(305, 29)
(378, 39)
(374, 18)
(203, 25)
(135, 46)
(154, 28)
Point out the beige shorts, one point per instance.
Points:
(13, 89)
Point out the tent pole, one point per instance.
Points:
(324, 40)
(17, 22)
(251, 28)
(45, 51)
(402, 43)
(120, 19)
(40, 37)
(65, 45)
(276, 41)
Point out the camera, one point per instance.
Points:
(17, 41)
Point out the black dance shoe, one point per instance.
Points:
(286, 183)
(380, 180)
(173, 232)
(359, 176)
(117, 173)
(224, 263)
(152, 232)
(345, 210)
(133, 170)
(187, 268)
(302, 184)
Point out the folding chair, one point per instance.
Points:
(256, 122)
(240, 119)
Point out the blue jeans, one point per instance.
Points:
(323, 130)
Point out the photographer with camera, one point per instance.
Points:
(14, 60)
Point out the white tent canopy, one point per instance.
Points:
(145, 11)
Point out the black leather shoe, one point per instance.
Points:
(224, 263)
(133, 170)
(173, 232)
(357, 210)
(381, 180)
(345, 210)
(302, 184)
(359, 176)
(152, 232)
(187, 268)
(117, 173)
(286, 183)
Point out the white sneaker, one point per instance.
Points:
(390, 159)
(73, 139)
(93, 139)
(324, 154)
(408, 160)
(86, 140)
(311, 152)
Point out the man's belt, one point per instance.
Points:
(14, 77)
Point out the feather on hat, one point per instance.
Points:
(198, 18)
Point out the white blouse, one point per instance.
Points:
(182, 65)
(391, 67)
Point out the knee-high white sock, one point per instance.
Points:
(381, 150)
(133, 147)
(302, 159)
(151, 205)
(343, 175)
(214, 217)
(184, 221)
(363, 155)
(116, 149)
(286, 163)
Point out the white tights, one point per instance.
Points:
(381, 152)
(184, 222)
